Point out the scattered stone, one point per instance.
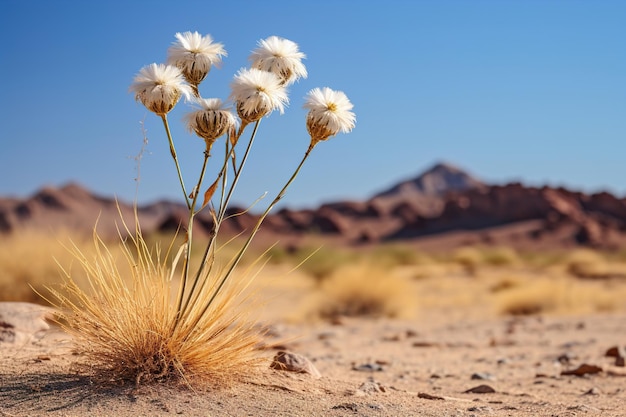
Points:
(326, 335)
(293, 362)
(613, 351)
(426, 344)
(480, 389)
(483, 409)
(593, 391)
(484, 376)
(370, 387)
(368, 367)
(583, 407)
(23, 322)
(582, 370)
(411, 333)
(429, 397)
(566, 358)
(619, 353)
(346, 406)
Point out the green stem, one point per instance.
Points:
(192, 213)
(175, 157)
(222, 210)
(256, 228)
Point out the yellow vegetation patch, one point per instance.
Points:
(30, 260)
(364, 290)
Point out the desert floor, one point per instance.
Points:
(456, 358)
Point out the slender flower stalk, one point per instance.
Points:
(190, 223)
(221, 213)
(329, 113)
(253, 232)
(281, 57)
(256, 94)
(194, 55)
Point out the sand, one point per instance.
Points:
(424, 366)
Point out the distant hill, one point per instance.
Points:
(443, 206)
(438, 180)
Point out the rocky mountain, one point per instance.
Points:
(444, 204)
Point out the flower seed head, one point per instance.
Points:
(280, 56)
(257, 93)
(194, 54)
(159, 87)
(329, 113)
(211, 121)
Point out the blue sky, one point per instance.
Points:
(528, 90)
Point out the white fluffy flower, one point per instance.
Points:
(257, 93)
(212, 120)
(329, 113)
(280, 56)
(194, 54)
(159, 87)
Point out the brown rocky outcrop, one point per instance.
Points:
(442, 200)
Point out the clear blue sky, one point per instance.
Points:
(529, 90)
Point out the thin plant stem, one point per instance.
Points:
(192, 213)
(175, 157)
(256, 228)
(221, 212)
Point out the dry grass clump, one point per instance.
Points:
(364, 290)
(128, 328)
(501, 256)
(322, 262)
(559, 295)
(506, 283)
(585, 263)
(469, 258)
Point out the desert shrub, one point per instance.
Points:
(128, 328)
(585, 263)
(505, 283)
(469, 258)
(364, 290)
(540, 296)
(559, 295)
(501, 256)
(321, 262)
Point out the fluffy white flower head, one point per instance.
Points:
(159, 87)
(194, 54)
(280, 56)
(329, 113)
(257, 93)
(211, 121)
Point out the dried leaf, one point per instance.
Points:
(208, 195)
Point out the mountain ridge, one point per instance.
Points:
(441, 201)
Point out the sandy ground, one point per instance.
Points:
(419, 367)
